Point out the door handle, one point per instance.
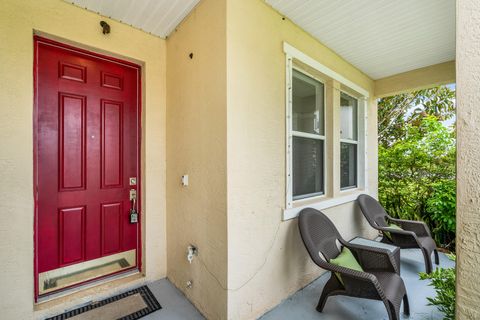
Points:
(133, 194)
(133, 209)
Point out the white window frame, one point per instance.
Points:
(360, 135)
(292, 208)
(292, 133)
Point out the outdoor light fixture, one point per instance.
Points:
(105, 27)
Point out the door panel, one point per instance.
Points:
(72, 72)
(111, 223)
(72, 136)
(110, 80)
(112, 142)
(87, 148)
(72, 235)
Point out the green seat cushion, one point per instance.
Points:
(393, 226)
(346, 259)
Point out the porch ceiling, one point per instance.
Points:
(158, 17)
(379, 37)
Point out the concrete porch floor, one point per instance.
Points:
(175, 306)
(302, 304)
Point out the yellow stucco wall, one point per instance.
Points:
(196, 145)
(435, 75)
(228, 103)
(18, 20)
(219, 117)
(266, 258)
(468, 159)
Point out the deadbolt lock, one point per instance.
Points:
(133, 181)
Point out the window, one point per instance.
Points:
(348, 141)
(308, 136)
(326, 121)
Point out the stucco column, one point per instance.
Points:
(468, 159)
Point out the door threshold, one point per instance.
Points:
(83, 272)
(65, 292)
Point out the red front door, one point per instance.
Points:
(87, 152)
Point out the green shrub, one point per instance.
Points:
(416, 159)
(443, 280)
(441, 206)
(417, 177)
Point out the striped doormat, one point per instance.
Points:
(130, 305)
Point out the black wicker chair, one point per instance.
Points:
(380, 279)
(414, 234)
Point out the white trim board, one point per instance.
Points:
(297, 54)
(292, 213)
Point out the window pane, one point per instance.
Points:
(348, 117)
(307, 104)
(348, 165)
(307, 167)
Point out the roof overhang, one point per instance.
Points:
(158, 17)
(380, 37)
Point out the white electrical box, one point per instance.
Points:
(185, 180)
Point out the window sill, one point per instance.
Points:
(325, 203)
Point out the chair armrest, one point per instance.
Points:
(339, 269)
(360, 284)
(406, 233)
(401, 237)
(367, 286)
(418, 227)
(373, 259)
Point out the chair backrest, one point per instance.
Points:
(318, 234)
(373, 211)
